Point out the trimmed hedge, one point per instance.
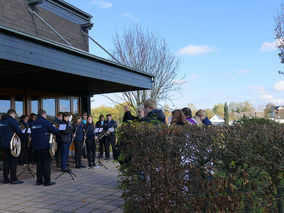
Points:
(196, 169)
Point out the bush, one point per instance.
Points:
(196, 169)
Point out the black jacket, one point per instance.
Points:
(66, 135)
(128, 116)
(155, 116)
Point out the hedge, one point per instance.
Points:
(197, 169)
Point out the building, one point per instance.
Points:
(277, 114)
(45, 63)
(217, 120)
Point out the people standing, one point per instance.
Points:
(65, 135)
(202, 115)
(58, 153)
(8, 127)
(109, 127)
(188, 114)
(178, 117)
(127, 114)
(78, 139)
(23, 158)
(152, 114)
(90, 142)
(41, 129)
(84, 121)
(100, 126)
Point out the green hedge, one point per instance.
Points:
(196, 169)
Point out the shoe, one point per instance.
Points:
(78, 167)
(100, 156)
(90, 166)
(39, 183)
(17, 182)
(63, 170)
(49, 184)
(7, 181)
(107, 158)
(82, 166)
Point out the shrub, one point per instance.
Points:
(197, 169)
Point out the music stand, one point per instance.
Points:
(28, 170)
(68, 171)
(101, 164)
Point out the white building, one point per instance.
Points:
(217, 120)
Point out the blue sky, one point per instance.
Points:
(226, 47)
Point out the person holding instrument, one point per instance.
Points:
(100, 126)
(41, 129)
(78, 138)
(109, 127)
(8, 127)
(23, 158)
(65, 136)
(90, 142)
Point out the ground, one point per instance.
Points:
(94, 190)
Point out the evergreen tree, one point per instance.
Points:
(226, 114)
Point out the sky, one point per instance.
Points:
(226, 48)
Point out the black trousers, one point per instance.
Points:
(102, 145)
(23, 158)
(91, 150)
(109, 140)
(78, 152)
(9, 166)
(58, 154)
(43, 166)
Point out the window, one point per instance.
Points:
(75, 106)
(49, 107)
(5, 103)
(34, 105)
(64, 105)
(19, 105)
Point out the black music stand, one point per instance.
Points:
(100, 164)
(28, 170)
(68, 171)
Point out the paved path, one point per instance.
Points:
(94, 190)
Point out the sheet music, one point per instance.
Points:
(98, 130)
(62, 127)
(23, 131)
(29, 131)
(111, 129)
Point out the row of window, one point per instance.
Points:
(48, 104)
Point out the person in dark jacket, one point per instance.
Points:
(65, 136)
(41, 129)
(9, 126)
(100, 125)
(127, 115)
(202, 115)
(109, 127)
(153, 115)
(23, 158)
(84, 121)
(78, 135)
(90, 142)
(58, 153)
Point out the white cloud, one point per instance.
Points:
(243, 71)
(179, 82)
(279, 85)
(271, 46)
(128, 15)
(101, 3)
(192, 50)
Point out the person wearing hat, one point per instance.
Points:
(65, 135)
(109, 127)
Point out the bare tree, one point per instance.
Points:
(279, 33)
(145, 51)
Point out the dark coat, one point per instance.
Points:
(206, 121)
(24, 136)
(155, 116)
(128, 117)
(40, 133)
(89, 129)
(99, 124)
(110, 124)
(79, 132)
(66, 135)
(8, 126)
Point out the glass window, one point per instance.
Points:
(49, 107)
(75, 106)
(19, 105)
(64, 106)
(5, 103)
(34, 105)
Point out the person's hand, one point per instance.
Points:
(96, 137)
(85, 137)
(108, 132)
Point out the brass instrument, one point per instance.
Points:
(15, 146)
(52, 143)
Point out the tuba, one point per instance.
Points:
(15, 146)
(52, 145)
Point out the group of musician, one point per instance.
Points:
(35, 132)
